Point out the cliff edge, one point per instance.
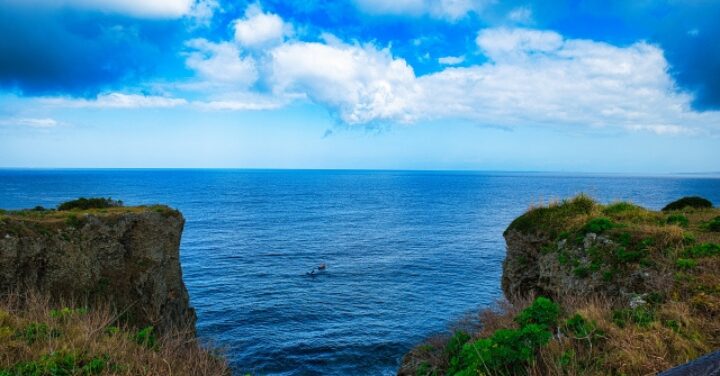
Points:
(127, 257)
(595, 290)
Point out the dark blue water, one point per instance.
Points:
(407, 252)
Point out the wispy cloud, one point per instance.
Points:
(116, 100)
(30, 122)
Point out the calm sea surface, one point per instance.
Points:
(407, 252)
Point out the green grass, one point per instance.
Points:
(553, 219)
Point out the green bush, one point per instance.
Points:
(90, 203)
(713, 225)
(598, 225)
(456, 343)
(60, 364)
(688, 202)
(625, 255)
(506, 352)
(36, 331)
(542, 312)
(581, 271)
(702, 250)
(146, 337)
(582, 328)
(685, 264)
(677, 219)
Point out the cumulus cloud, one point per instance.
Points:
(258, 29)
(221, 63)
(539, 78)
(360, 83)
(116, 100)
(451, 10)
(137, 8)
(530, 78)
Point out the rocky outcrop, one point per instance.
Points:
(125, 257)
(536, 265)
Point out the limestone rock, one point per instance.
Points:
(125, 257)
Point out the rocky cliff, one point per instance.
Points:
(125, 257)
(595, 290)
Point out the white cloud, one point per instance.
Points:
(136, 8)
(451, 10)
(202, 12)
(258, 29)
(451, 60)
(512, 44)
(221, 63)
(530, 78)
(521, 15)
(116, 100)
(31, 122)
(360, 83)
(539, 78)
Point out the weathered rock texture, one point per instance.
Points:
(534, 266)
(125, 257)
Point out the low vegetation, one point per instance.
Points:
(691, 202)
(39, 340)
(90, 203)
(652, 301)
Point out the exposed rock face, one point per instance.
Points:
(125, 257)
(536, 265)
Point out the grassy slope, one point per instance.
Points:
(36, 340)
(680, 321)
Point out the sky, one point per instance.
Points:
(571, 86)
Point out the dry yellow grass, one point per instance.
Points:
(35, 337)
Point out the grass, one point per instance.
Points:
(74, 217)
(38, 339)
(676, 317)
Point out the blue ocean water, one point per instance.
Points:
(407, 252)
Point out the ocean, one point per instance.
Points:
(407, 252)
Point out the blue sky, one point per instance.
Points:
(589, 86)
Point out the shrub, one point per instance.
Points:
(598, 225)
(60, 364)
(695, 202)
(677, 219)
(36, 331)
(713, 225)
(542, 312)
(506, 352)
(685, 264)
(90, 203)
(146, 337)
(581, 271)
(625, 255)
(702, 250)
(582, 328)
